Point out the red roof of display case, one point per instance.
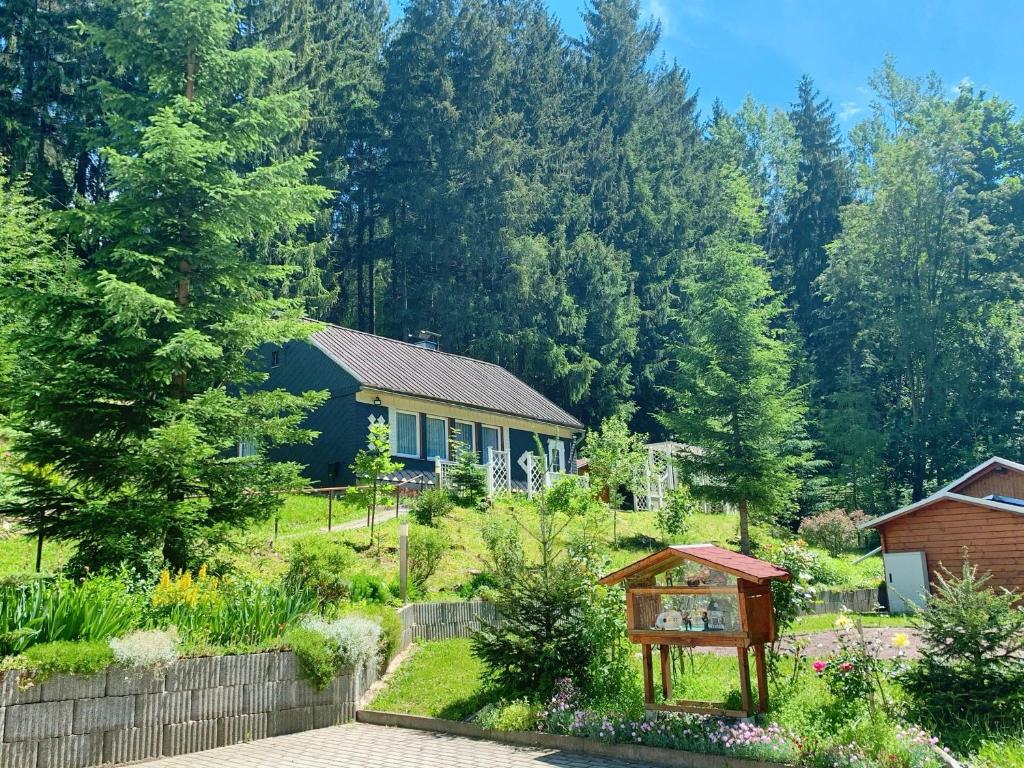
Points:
(740, 566)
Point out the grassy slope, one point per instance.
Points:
(441, 679)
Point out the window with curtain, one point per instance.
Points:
(437, 438)
(407, 442)
(462, 432)
(489, 438)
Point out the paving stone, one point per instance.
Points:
(130, 745)
(233, 730)
(290, 721)
(249, 668)
(128, 682)
(17, 688)
(19, 754)
(46, 720)
(212, 703)
(104, 714)
(64, 687)
(76, 751)
(371, 746)
(163, 708)
(190, 674)
(181, 738)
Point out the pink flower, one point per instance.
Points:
(819, 666)
(846, 666)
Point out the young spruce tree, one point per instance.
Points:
(136, 370)
(733, 397)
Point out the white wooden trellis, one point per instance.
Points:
(534, 473)
(499, 471)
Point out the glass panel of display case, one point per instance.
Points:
(714, 612)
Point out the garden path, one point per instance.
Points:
(366, 746)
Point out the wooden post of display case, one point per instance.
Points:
(666, 672)
(648, 674)
(741, 652)
(762, 679)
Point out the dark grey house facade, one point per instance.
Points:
(430, 400)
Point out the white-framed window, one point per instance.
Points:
(437, 438)
(490, 437)
(463, 432)
(246, 448)
(556, 455)
(406, 438)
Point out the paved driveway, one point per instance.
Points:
(375, 746)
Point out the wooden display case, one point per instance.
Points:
(700, 595)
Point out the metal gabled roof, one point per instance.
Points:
(377, 362)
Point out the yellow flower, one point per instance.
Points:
(843, 622)
(900, 640)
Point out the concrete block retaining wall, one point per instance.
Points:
(124, 716)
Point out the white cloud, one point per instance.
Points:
(659, 10)
(848, 109)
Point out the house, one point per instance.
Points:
(983, 510)
(430, 399)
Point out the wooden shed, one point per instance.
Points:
(700, 595)
(982, 510)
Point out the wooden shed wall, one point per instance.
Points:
(995, 539)
(1008, 483)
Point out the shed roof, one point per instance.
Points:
(987, 503)
(377, 362)
(740, 566)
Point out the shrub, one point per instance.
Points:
(316, 659)
(146, 648)
(426, 548)
(510, 716)
(87, 657)
(972, 653)
(832, 531)
(390, 626)
(319, 564)
(324, 647)
(467, 479)
(367, 588)
(431, 505)
(672, 517)
(792, 597)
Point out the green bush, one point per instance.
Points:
(367, 588)
(316, 660)
(510, 716)
(47, 611)
(426, 548)
(832, 531)
(673, 516)
(971, 668)
(63, 657)
(320, 564)
(431, 505)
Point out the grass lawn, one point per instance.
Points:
(441, 679)
(826, 621)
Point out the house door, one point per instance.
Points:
(906, 579)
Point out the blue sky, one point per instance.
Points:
(762, 47)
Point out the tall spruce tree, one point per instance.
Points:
(732, 393)
(130, 393)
